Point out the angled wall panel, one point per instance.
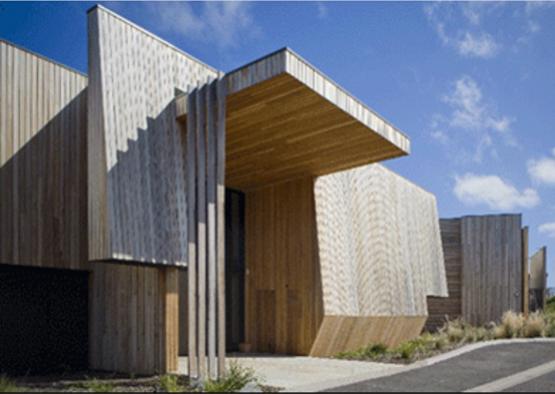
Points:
(538, 279)
(137, 187)
(43, 109)
(380, 246)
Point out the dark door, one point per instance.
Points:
(235, 268)
(43, 320)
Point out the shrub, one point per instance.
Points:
(171, 384)
(454, 329)
(513, 324)
(236, 378)
(535, 325)
(7, 386)
(371, 352)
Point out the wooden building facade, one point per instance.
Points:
(486, 262)
(185, 204)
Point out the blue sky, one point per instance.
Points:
(472, 84)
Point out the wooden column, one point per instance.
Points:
(525, 270)
(206, 194)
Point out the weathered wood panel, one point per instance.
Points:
(283, 289)
(348, 333)
(538, 279)
(379, 242)
(206, 201)
(134, 317)
(441, 309)
(492, 267)
(137, 183)
(43, 173)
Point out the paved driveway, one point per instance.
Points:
(511, 367)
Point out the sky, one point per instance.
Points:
(471, 84)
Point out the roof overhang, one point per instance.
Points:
(286, 120)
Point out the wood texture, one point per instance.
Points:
(283, 289)
(206, 268)
(345, 333)
(137, 189)
(133, 319)
(492, 267)
(42, 161)
(286, 120)
(441, 309)
(525, 271)
(379, 242)
(538, 279)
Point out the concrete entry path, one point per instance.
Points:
(496, 367)
(291, 373)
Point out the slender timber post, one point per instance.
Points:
(192, 232)
(525, 284)
(206, 226)
(220, 170)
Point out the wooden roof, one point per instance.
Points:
(286, 120)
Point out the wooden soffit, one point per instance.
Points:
(287, 120)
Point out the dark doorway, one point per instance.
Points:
(235, 268)
(43, 320)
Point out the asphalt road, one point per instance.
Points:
(471, 370)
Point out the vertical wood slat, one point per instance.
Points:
(192, 231)
(220, 179)
(211, 227)
(525, 270)
(206, 204)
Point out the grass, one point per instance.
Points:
(457, 333)
(96, 386)
(172, 384)
(7, 386)
(237, 377)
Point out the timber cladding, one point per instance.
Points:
(43, 173)
(136, 152)
(439, 308)
(284, 307)
(484, 264)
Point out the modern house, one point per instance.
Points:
(486, 262)
(158, 207)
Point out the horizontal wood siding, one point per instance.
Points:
(43, 172)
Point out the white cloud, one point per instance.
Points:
(222, 23)
(475, 117)
(322, 10)
(542, 171)
(494, 192)
(440, 136)
(477, 45)
(548, 229)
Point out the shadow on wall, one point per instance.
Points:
(43, 212)
(148, 182)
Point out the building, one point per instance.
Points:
(486, 262)
(538, 280)
(119, 247)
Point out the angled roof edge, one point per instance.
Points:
(150, 34)
(43, 57)
(287, 61)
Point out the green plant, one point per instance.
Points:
(235, 379)
(550, 306)
(171, 384)
(96, 386)
(7, 386)
(371, 352)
